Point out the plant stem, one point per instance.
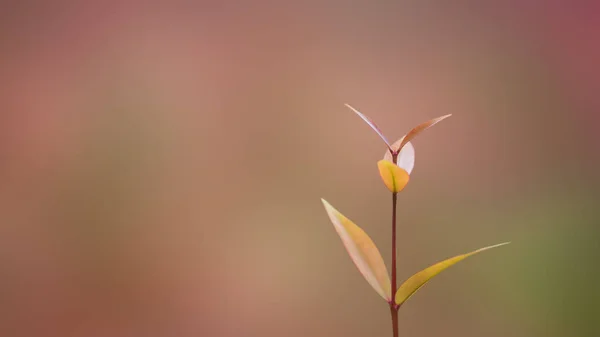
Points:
(394, 281)
(393, 307)
(394, 311)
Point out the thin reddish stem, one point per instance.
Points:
(394, 281)
(394, 312)
(393, 306)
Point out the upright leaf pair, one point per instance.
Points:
(395, 169)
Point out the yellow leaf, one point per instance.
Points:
(363, 252)
(393, 176)
(415, 282)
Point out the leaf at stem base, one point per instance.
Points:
(362, 251)
(415, 282)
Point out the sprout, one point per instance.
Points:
(395, 169)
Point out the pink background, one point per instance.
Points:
(161, 166)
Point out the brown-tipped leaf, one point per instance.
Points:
(415, 131)
(363, 252)
(371, 124)
(415, 282)
(393, 176)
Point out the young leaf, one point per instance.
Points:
(371, 124)
(415, 282)
(393, 176)
(415, 131)
(406, 157)
(363, 252)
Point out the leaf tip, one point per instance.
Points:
(437, 120)
(352, 108)
(493, 246)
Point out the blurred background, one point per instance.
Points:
(162, 164)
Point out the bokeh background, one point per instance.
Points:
(162, 164)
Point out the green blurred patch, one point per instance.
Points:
(550, 280)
